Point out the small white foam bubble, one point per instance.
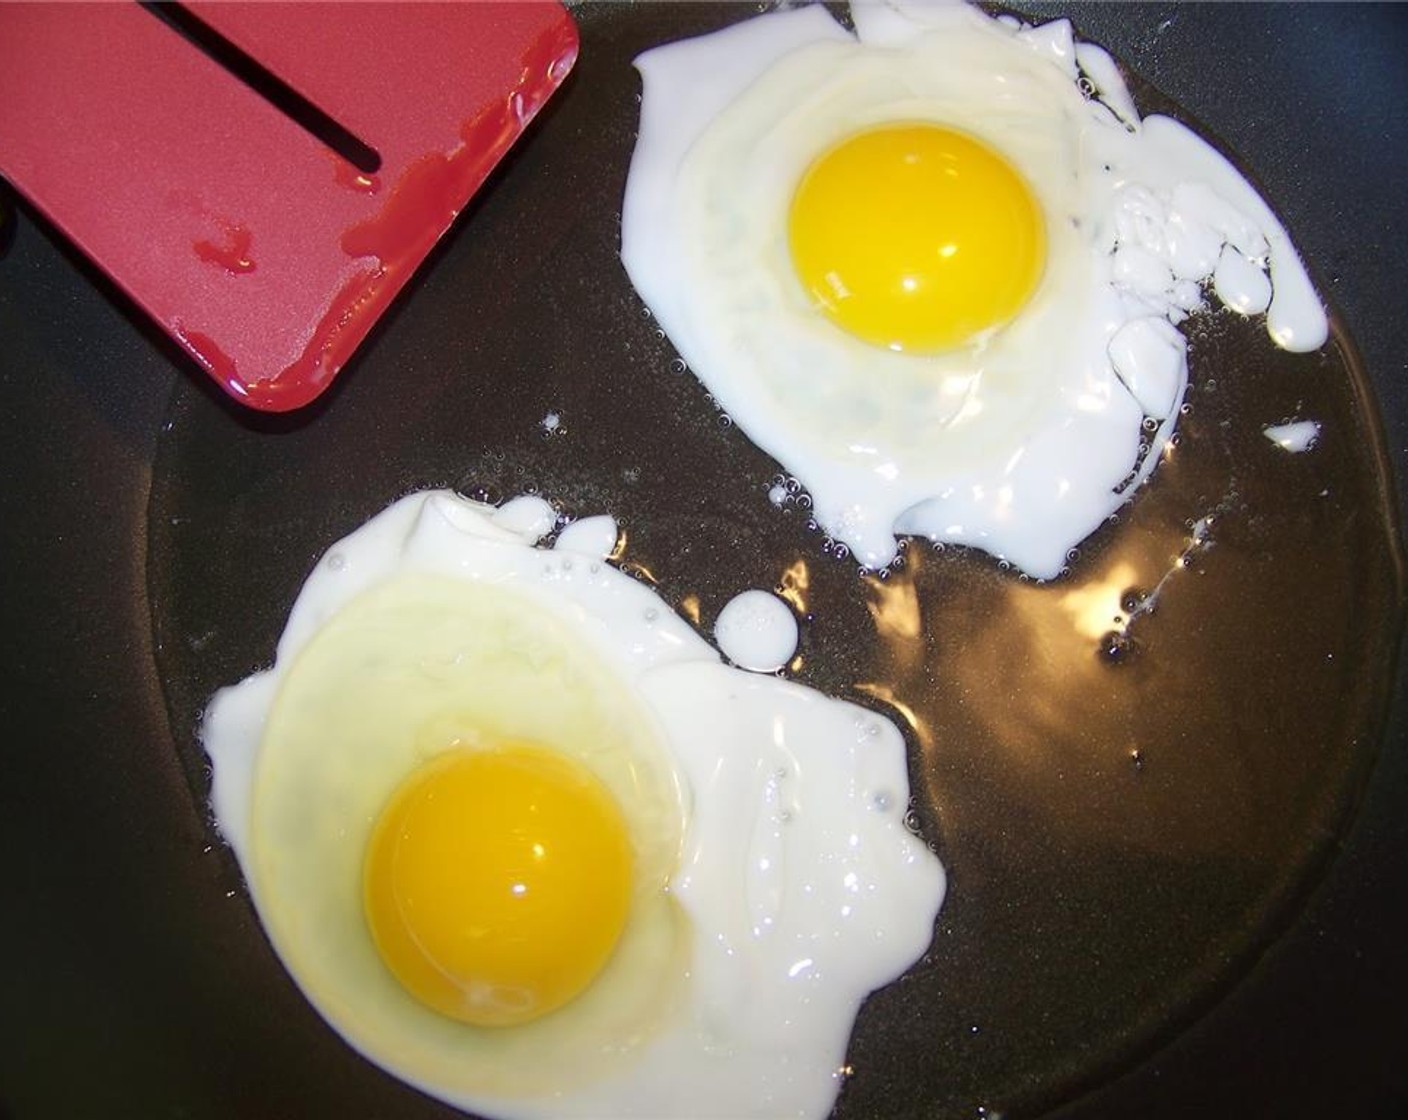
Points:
(756, 630)
(1295, 437)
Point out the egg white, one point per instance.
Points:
(1024, 442)
(790, 887)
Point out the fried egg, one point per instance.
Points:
(936, 268)
(526, 842)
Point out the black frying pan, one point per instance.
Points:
(154, 538)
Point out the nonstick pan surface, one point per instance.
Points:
(1177, 866)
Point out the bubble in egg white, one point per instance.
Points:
(774, 816)
(1025, 442)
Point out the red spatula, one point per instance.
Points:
(153, 140)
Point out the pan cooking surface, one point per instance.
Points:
(1130, 811)
(1129, 807)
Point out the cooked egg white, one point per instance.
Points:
(933, 278)
(756, 630)
(714, 864)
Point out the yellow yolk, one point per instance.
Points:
(497, 882)
(916, 237)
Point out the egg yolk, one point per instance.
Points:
(497, 882)
(916, 237)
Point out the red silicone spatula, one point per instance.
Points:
(261, 250)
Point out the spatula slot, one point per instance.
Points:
(268, 85)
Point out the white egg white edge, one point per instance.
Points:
(735, 1054)
(1258, 270)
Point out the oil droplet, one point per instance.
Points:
(1116, 648)
(486, 493)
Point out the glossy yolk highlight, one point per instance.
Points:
(916, 237)
(497, 882)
